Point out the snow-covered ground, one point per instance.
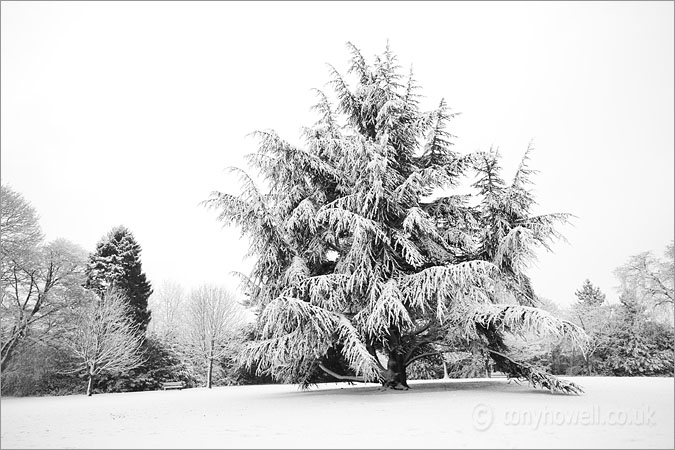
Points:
(613, 413)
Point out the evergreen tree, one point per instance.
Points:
(590, 295)
(593, 317)
(363, 258)
(116, 263)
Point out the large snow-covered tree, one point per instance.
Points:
(367, 258)
(116, 263)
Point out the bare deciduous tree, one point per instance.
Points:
(212, 318)
(650, 281)
(19, 242)
(38, 280)
(166, 304)
(21, 231)
(104, 340)
(37, 284)
(596, 321)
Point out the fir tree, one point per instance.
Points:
(358, 256)
(116, 263)
(590, 295)
(593, 317)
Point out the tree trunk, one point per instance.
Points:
(445, 370)
(574, 356)
(395, 375)
(90, 385)
(8, 351)
(5, 359)
(209, 373)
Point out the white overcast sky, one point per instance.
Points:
(128, 112)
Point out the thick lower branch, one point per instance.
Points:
(414, 348)
(424, 355)
(341, 377)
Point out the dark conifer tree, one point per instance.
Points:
(117, 263)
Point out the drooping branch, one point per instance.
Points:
(341, 377)
(536, 377)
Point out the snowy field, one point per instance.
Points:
(484, 413)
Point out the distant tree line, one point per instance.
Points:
(633, 337)
(74, 322)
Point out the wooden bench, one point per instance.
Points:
(173, 385)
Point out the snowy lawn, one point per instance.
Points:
(614, 412)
